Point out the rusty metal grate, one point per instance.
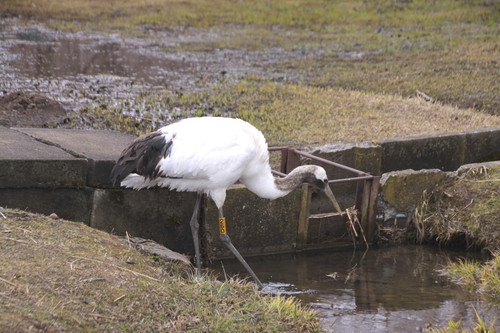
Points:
(365, 197)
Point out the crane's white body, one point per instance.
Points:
(209, 155)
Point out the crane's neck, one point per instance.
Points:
(265, 185)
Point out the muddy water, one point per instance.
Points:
(82, 68)
(396, 289)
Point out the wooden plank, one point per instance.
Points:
(303, 224)
(365, 201)
(284, 159)
(293, 160)
(372, 210)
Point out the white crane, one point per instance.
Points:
(207, 155)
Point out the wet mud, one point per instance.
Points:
(84, 68)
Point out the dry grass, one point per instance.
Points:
(309, 116)
(465, 75)
(63, 276)
(295, 114)
(465, 210)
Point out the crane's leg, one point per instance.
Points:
(195, 226)
(227, 241)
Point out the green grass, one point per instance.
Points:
(445, 49)
(477, 277)
(314, 15)
(484, 278)
(64, 276)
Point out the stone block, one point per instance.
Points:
(444, 152)
(157, 214)
(482, 145)
(70, 204)
(404, 189)
(100, 148)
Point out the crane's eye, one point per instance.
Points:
(325, 181)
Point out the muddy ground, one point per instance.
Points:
(78, 69)
(299, 87)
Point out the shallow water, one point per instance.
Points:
(395, 289)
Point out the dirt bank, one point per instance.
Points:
(64, 276)
(463, 211)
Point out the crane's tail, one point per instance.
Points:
(142, 157)
(137, 182)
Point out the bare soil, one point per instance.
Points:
(30, 110)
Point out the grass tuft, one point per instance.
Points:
(465, 210)
(484, 278)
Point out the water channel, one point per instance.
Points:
(392, 289)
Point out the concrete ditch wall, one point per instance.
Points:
(401, 191)
(67, 172)
(446, 152)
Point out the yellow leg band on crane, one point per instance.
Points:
(222, 226)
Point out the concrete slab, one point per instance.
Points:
(255, 225)
(445, 152)
(100, 148)
(158, 214)
(28, 163)
(91, 144)
(482, 145)
(18, 146)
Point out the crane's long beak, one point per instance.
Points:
(329, 194)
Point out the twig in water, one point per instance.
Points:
(353, 232)
(353, 219)
(362, 231)
(350, 214)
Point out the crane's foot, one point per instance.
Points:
(227, 241)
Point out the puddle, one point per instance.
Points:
(397, 289)
(79, 69)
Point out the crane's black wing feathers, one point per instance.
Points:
(142, 157)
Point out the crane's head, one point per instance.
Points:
(316, 177)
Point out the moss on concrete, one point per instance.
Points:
(403, 189)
